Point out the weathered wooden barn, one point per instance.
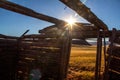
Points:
(50, 49)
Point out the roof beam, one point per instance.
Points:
(85, 12)
(26, 11)
(29, 12)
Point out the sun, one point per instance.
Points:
(70, 21)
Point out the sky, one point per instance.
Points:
(15, 24)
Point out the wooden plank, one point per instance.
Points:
(85, 12)
(115, 68)
(14, 48)
(38, 55)
(115, 52)
(29, 46)
(26, 11)
(41, 36)
(28, 56)
(78, 26)
(89, 34)
(47, 49)
(39, 44)
(8, 45)
(27, 59)
(117, 40)
(8, 41)
(115, 65)
(41, 50)
(117, 48)
(43, 56)
(7, 37)
(113, 75)
(49, 40)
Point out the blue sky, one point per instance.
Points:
(15, 24)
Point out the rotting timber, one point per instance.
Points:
(52, 48)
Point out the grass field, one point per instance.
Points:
(82, 63)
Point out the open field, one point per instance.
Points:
(82, 63)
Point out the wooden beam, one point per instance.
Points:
(8, 37)
(29, 12)
(85, 12)
(76, 27)
(98, 57)
(26, 11)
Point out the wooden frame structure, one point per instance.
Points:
(33, 43)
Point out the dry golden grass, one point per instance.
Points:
(82, 63)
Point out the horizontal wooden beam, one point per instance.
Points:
(26, 11)
(76, 27)
(7, 37)
(75, 34)
(29, 12)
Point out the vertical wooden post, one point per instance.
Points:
(98, 57)
(106, 76)
(104, 50)
(69, 35)
(65, 54)
(62, 58)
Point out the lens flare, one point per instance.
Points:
(71, 21)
